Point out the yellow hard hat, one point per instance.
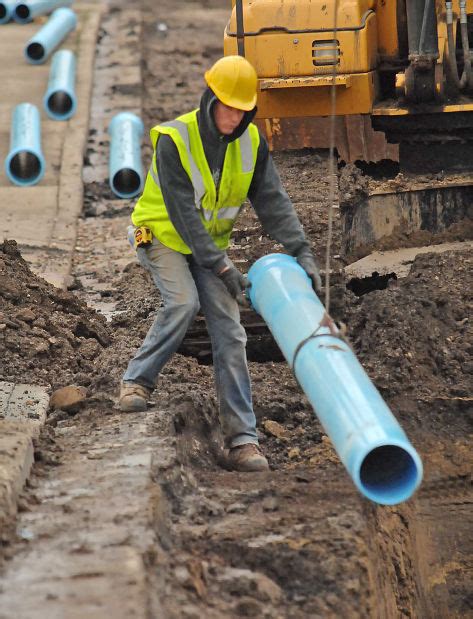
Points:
(233, 80)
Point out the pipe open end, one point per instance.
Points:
(126, 183)
(22, 12)
(25, 168)
(60, 104)
(389, 475)
(3, 11)
(35, 52)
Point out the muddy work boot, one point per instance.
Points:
(133, 397)
(247, 458)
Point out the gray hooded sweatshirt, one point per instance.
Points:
(266, 194)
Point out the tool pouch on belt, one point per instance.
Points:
(143, 237)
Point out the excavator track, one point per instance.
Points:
(429, 142)
(261, 346)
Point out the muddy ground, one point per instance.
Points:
(299, 541)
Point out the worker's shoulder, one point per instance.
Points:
(166, 147)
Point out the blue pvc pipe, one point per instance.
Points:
(25, 164)
(125, 167)
(58, 26)
(6, 11)
(24, 12)
(60, 100)
(368, 439)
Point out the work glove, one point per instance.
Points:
(235, 283)
(308, 263)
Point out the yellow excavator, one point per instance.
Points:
(401, 70)
(377, 80)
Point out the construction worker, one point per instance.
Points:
(205, 165)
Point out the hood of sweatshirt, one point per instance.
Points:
(207, 126)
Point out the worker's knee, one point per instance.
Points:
(239, 334)
(231, 333)
(186, 305)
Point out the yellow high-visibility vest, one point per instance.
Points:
(218, 212)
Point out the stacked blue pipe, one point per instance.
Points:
(25, 12)
(60, 100)
(58, 26)
(25, 164)
(125, 167)
(371, 444)
(6, 11)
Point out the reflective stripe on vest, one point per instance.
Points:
(197, 180)
(246, 151)
(230, 212)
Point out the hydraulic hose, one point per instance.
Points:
(465, 44)
(466, 79)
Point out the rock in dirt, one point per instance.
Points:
(244, 582)
(247, 607)
(275, 429)
(68, 398)
(25, 314)
(192, 577)
(237, 508)
(294, 453)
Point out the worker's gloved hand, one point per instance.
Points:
(235, 283)
(309, 264)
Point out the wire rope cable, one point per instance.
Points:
(331, 163)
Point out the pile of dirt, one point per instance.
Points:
(47, 335)
(416, 336)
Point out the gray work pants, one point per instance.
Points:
(184, 286)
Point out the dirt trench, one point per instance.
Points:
(297, 542)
